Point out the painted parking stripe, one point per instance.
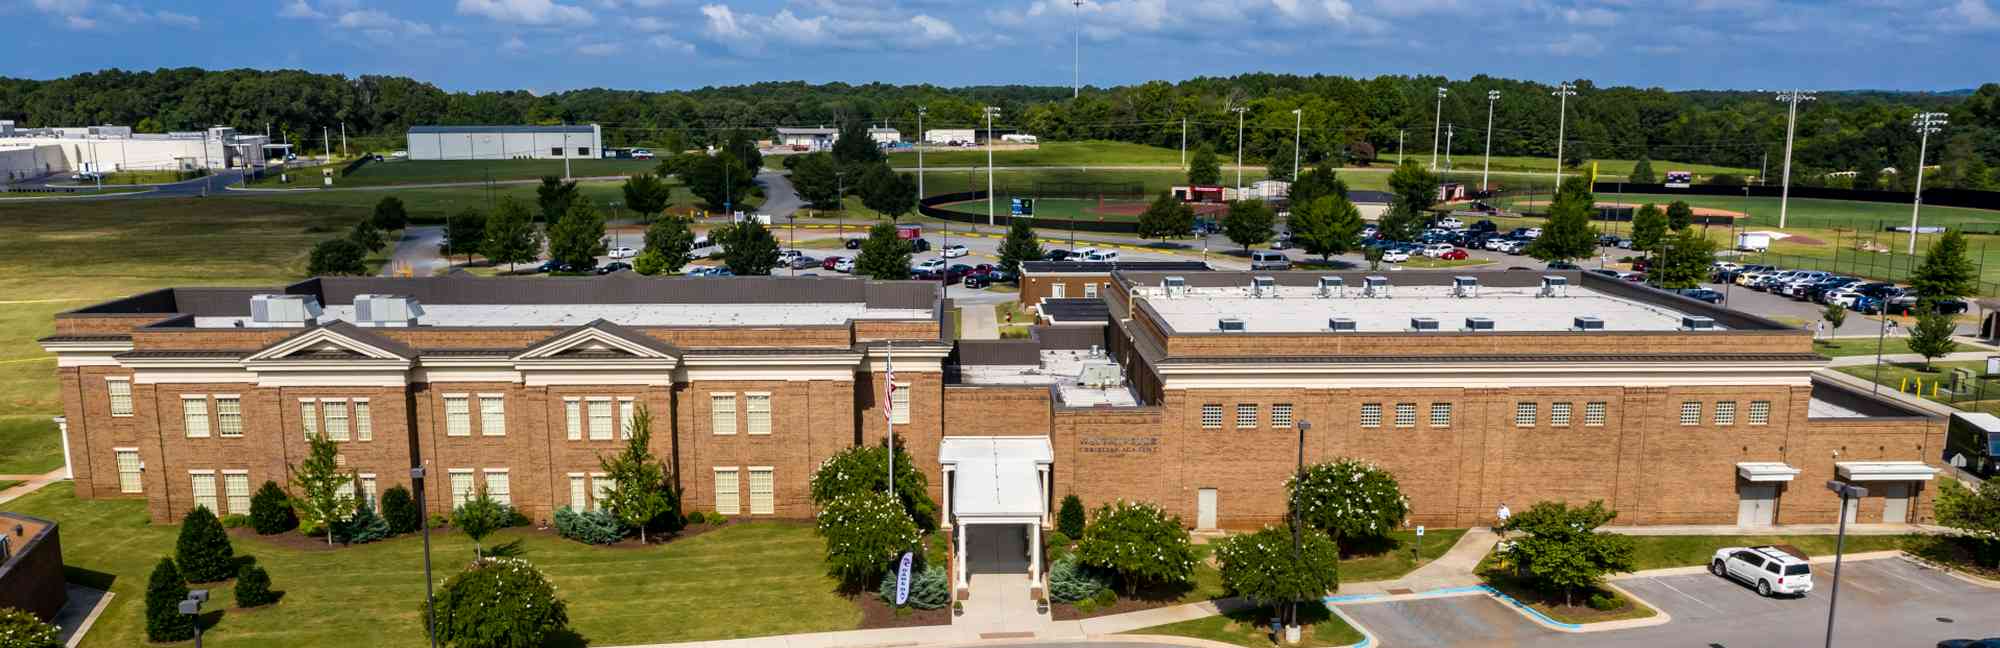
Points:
(1690, 597)
(1913, 581)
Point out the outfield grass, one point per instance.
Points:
(1252, 628)
(744, 580)
(1084, 153)
(29, 445)
(1656, 552)
(395, 172)
(1022, 182)
(1463, 162)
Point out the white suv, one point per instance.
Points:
(1767, 568)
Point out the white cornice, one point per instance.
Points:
(1484, 375)
(94, 346)
(323, 335)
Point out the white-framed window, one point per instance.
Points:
(204, 490)
(1593, 414)
(1760, 412)
(228, 415)
(1371, 415)
(1211, 416)
(236, 491)
(1246, 415)
(1440, 414)
(899, 404)
(457, 415)
(461, 487)
(573, 417)
(128, 470)
(1281, 415)
(121, 395)
(497, 486)
(727, 500)
(627, 407)
(336, 419)
(1090, 290)
(1525, 414)
(1559, 414)
(722, 413)
(368, 491)
(194, 414)
(757, 412)
(599, 410)
(493, 414)
(579, 493)
(1725, 412)
(600, 490)
(1058, 290)
(346, 489)
(364, 423)
(1406, 415)
(309, 417)
(763, 493)
(1690, 412)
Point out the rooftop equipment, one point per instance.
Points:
(1341, 324)
(1263, 287)
(386, 311)
(1332, 287)
(283, 311)
(1230, 325)
(1423, 324)
(1465, 286)
(1377, 287)
(1588, 323)
(1478, 323)
(1697, 323)
(1554, 286)
(1175, 286)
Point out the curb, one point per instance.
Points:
(1950, 571)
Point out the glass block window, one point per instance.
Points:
(600, 419)
(726, 492)
(493, 415)
(1760, 412)
(204, 490)
(1440, 414)
(1725, 413)
(1593, 414)
(457, 415)
(236, 487)
(1690, 412)
(1211, 417)
(1525, 414)
(1406, 414)
(1559, 414)
(128, 470)
(763, 494)
(336, 420)
(194, 413)
(229, 416)
(121, 396)
(1281, 415)
(1246, 416)
(757, 414)
(722, 413)
(1371, 415)
(364, 423)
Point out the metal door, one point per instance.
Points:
(1757, 506)
(1896, 503)
(1847, 512)
(1057, 289)
(1205, 509)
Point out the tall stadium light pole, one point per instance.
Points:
(1437, 126)
(1925, 123)
(990, 112)
(565, 151)
(1491, 96)
(1792, 97)
(1076, 52)
(1184, 143)
(1563, 92)
(1239, 150)
(1298, 131)
(920, 153)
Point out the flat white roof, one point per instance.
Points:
(1062, 369)
(1300, 309)
(996, 476)
(504, 315)
(1766, 471)
(1862, 471)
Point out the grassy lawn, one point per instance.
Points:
(1430, 263)
(1906, 375)
(1392, 560)
(1655, 552)
(1253, 628)
(1084, 153)
(393, 172)
(1471, 162)
(1022, 182)
(9, 483)
(29, 445)
(433, 204)
(1845, 347)
(1023, 317)
(744, 580)
(1574, 609)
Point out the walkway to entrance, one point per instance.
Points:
(996, 500)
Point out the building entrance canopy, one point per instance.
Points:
(997, 478)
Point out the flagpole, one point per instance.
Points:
(890, 415)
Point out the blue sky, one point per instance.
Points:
(546, 45)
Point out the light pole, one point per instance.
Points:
(920, 153)
(1437, 126)
(1298, 130)
(1792, 97)
(1291, 632)
(1491, 96)
(990, 112)
(1563, 91)
(1449, 132)
(424, 516)
(1846, 491)
(1239, 150)
(1925, 123)
(565, 150)
(1076, 52)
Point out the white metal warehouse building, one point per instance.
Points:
(505, 142)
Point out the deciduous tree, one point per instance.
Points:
(1931, 337)
(642, 495)
(1348, 498)
(719, 180)
(1326, 226)
(1414, 188)
(1685, 260)
(647, 195)
(884, 256)
(1649, 228)
(1679, 215)
(468, 227)
(748, 248)
(20, 629)
(577, 238)
(1166, 217)
(854, 147)
(1560, 549)
(886, 191)
(479, 517)
(669, 247)
(1947, 271)
(554, 197)
(1975, 515)
(1268, 569)
(1248, 223)
(511, 236)
(864, 469)
(816, 179)
(337, 257)
(390, 215)
(1203, 169)
(1320, 180)
(318, 480)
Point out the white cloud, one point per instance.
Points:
(514, 44)
(597, 49)
(85, 14)
(379, 24)
(649, 24)
(671, 44)
(527, 12)
(1576, 45)
(864, 28)
(299, 9)
(1590, 17)
(79, 22)
(1969, 15)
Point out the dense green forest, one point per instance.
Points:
(1341, 118)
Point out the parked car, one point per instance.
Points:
(843, 264)
(1261, 260)
(1437, 250)
(1102, 256)
(931, 264)
(613, 266)
(829, 262)
(1455, 255)
(1395, 255)
(1702, 294)
(1056, 255)
(1563, 265)
(956, 250)
(977, 281)
(851, 244)
(1906, 304)
(623, 252)
(802, 262)
(642, 154)
(1610, 240)
(1766, 568)
(1989, 642)
(550, 265)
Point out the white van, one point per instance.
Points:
(1262, 260)
(1101, 256)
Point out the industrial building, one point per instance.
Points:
(812, 139)
(36, 152)
(883, 135)
(582, 141)
(950, 135)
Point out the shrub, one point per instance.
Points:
(513, 517)
(930, 588)
(863, 532)
(1605, 602)
(1268, 568)
(480, 517)
(401, 511)
(1059, 539)
(1348, 499)
(1070, 581)
(271, 510)
(164, 593)
(717, 519)
(1139, 542)
(440, 520)
(365, 526)
(695, 517)
(864, 469)
(1104, 599)
(1069, 519)
(19, 629)
(498, 603)
(235, 521)
(253, 587)
(203, 554)
(589, 527)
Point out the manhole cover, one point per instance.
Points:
(1944, 620)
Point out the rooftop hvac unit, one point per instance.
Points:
(1465, 286)
(283, 310)
(1341, 324)
(1588, 323)
(1554, 286)
(386, 311)
(1175, 286)
(1263, 287)
(1230, 325)
(1478, 323)
(1423, 324)
(1332, 287)
(1102, 374)
(1377, 286)
(1697, 323)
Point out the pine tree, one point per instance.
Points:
(642, 492)
(164, 593)
(1069, 519)
(884, 255)
(1019, 247)
(646, 195)
(318, 479)
(1642, 172)
(253, 587)
(401, 511)
(511, 236)
(203, 552)
(1946, 272)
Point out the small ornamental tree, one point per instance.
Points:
(19, 629)
(1685, 260)
(390, 214)
(1203, 168)
(748, 248)
(1348, 498)
(1166, 217)
(1947, 271)
(1835, 315)
(479, 517)
(864, 532)
(203, 552)
(1326, 226)
(337, 257)
(498, 603)
(1069, 518)
(318, 479)
(1649, 228)
(1019, 247)
(271, 510)
(1931, 337)
(1975, 515)
(1568, 234)
(1265, 568)
(1560, 549)
(864, 469)
(253, 587)
(164, 593)
(1140, 543)
(1679, 215)
(641, 495)
(1248, 222)
(400, 510)
(884, 256)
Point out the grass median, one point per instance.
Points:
(1252, 627)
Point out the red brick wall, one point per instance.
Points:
(33, 579)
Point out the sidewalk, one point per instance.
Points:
(1453, 569)
(978, 322)
(31, 483)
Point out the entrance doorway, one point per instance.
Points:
(1896, 503)
(996, 548)
(1757, 505)
(1205, 509)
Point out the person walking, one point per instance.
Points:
(1502, 514)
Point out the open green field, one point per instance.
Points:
(743, 580)
(1803, 212)
(1023, 182)
(29, 445)
(1085, 153)
(398, 172)
(431, 204)
(1471, 162)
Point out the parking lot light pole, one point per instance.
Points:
(424, 516)
(1563, 92)
(1925, 123)
(1792, 97)
(1304, 426)
(1846, 491)
(1239, 151)
(1491, 96)
(990, 112)
(1298, 131)
(920, 153)
(1437, 125)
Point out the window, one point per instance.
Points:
(1593, 414)
(579, 498)
(600, 490)
(1246, 416)
(345, 489)
(457, 415)
(726, 501)
(1524, 414)
(899, 404)
(583, 151)
(722, 413)
(762, 500)
(368, 492)
(573, 415)
(1725, 412)
(555, 151)
(1281, 415)
(309, 417)
(1440, 414)
(204, 489)
(1211, 417)
(194, 413)
(121, 396)
(236, 487)
(1559, 414)
(496, 486)
(1371, 415)
(1090, 290)
(128, 470)
(626, 407)
(336, 419)
(1690, 412)
(757, 407)
(1760, 412)
(461, 487)
(364, 425)
(492, 415)
(229, 416)
(1058, 290)
(600, 418)
(1406, 414)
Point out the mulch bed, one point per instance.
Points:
(287, 540)
(876, 614)
(292, 540)
(1146, 599)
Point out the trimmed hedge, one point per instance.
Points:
(203, 553)
(253, 587)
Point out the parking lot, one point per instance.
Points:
(1883, 602)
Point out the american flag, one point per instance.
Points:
(889, 388)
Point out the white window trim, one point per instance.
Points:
(901, 415)
(139, 474)
(483, 427)
(736, 490)
(1284, 422)
(770, 405)
(1750, 413)
(1362, 416)
(214, 485)
(1560, 413)
(624, 415)
(1532, 412)
(750, 471)
(363, 420)
(1256, 416)
(1446, 410)
(715, 398)
(1205, 408)
(573, 424)
(219, 432)
(1687, 421)
(112, 401)
(590, 420)
(207, 415)
(346, 417)
(1412, 409)
(1603, 413)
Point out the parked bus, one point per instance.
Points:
(1973, 443)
